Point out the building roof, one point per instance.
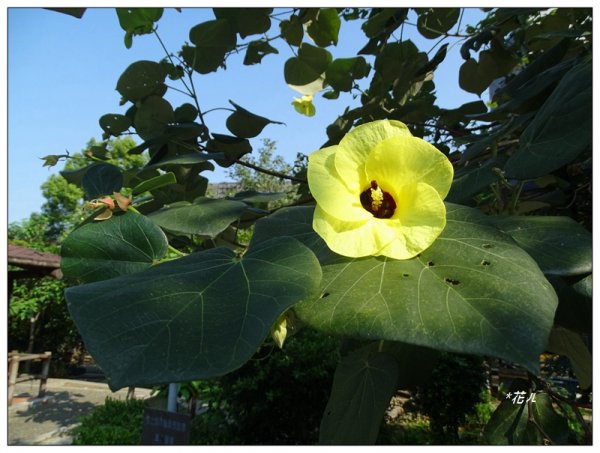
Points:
(34, 262)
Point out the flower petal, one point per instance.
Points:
(354, 239)
(400, 160)
(421, 217)
(331, 193)
(357, 144)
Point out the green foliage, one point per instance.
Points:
(512, 264)
(452, 392)
(277, 397)
(114, 423)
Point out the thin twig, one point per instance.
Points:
(271, 172)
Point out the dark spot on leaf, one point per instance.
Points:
(430, 264)
(452, 281)
(487, 246)
(324, 295)
(485, 263)
(406, 275)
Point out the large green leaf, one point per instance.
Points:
(192, 318)
(101, 179)
(363, 385)
(559, 245)
(141, 79)
(205, 216)
(473, 291)
(124, 244)
(561, 129)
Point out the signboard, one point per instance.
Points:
(165, 428)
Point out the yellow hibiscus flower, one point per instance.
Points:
(379, 192)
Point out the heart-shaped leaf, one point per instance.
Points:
(192, 318)
(125, 244)
(473, 291)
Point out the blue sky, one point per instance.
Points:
(62, 74)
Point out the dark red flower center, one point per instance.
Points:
(378, 202)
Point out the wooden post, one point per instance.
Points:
(13, 371)
(45, 369)
(130, 392)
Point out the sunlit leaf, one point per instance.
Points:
(473, 291)
(205, 216)
(125, 244)
(192, 318)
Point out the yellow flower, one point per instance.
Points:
(379, 192)
(304, 105)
